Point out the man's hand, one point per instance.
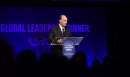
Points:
(60, 41)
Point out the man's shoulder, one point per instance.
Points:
(67, 28)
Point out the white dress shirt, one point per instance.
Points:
(61, 28)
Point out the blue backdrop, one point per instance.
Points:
(21, 26)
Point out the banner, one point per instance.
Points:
(22, 26)
(39, 30)
(40, 27)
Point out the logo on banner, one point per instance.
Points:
(68, 46)
(36, 42)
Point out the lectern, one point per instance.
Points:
(68, 45)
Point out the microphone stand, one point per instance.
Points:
(40, 40)
(115, 37)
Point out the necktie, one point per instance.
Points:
(63, 30)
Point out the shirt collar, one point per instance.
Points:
(61, 26)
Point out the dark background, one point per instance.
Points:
(118, 19)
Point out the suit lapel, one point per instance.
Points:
(59, 30)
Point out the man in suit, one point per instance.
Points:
(59, 31)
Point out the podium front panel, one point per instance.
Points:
(68, 48)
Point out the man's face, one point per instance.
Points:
(63, 21)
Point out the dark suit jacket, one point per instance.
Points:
(55, 31)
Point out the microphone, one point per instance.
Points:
(77, 34)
